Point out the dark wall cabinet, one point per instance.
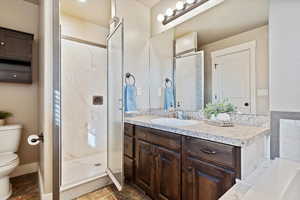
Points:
(15, 56)
(167, 166)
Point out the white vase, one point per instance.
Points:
(225, 117)
(2, 122)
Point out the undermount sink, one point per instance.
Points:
(173, 122)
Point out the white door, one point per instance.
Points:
(232, 77)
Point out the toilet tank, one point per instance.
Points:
(10, 138)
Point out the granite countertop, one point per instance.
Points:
(238, 135)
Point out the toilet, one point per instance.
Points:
(9, 142)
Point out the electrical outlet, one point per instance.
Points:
(159, 91)
(139, 91)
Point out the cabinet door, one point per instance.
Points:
(17, 46)
(204, 181)
(128, 169)
(167, 175)
(145, 166)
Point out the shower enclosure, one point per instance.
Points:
(84, 132)
(88, 112)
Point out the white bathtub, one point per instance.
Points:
(280, 182)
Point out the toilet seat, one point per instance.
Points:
(8, 159)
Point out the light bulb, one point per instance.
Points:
(160, 17)
(190, 1)
(169, 12)
(179, 5)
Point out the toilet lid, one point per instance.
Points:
(6, 159)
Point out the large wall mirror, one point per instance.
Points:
(210, 58)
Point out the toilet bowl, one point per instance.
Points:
(9, 160)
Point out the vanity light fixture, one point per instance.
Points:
(190, 1)
(182, 7)
(179, 5)
(169, 12)
(160, 17)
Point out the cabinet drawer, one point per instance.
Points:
(128, 168)
(128, 146)
(161, 138)
(220, 154)
(129, 129)
(15, 77)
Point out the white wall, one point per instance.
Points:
(136, 50)
(84, 30)
(22, 99)
(284, 55)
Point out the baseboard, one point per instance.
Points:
(84, 188)
(43, 195)
(25, 169)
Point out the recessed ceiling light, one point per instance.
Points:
(82, 1)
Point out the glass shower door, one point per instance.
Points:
(115, 114)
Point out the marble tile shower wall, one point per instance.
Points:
(241, 119)
(83, 123)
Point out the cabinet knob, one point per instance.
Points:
(2, 43)
(14, 75)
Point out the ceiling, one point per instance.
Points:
(228, 19)
(95, 11)
(149, 3)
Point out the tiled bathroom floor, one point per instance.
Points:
(25, 187)
(111, 193)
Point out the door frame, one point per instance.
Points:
(117, 24)
(251, 46)
(56, 95)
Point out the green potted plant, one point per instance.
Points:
(3, 116)
(219, 110)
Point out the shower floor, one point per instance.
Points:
(78, 171)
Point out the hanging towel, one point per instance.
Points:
(169, 98)
(130, 98)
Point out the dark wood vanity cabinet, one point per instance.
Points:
(204, 181)
(158, 163)
(209, 169)
(167, 166)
